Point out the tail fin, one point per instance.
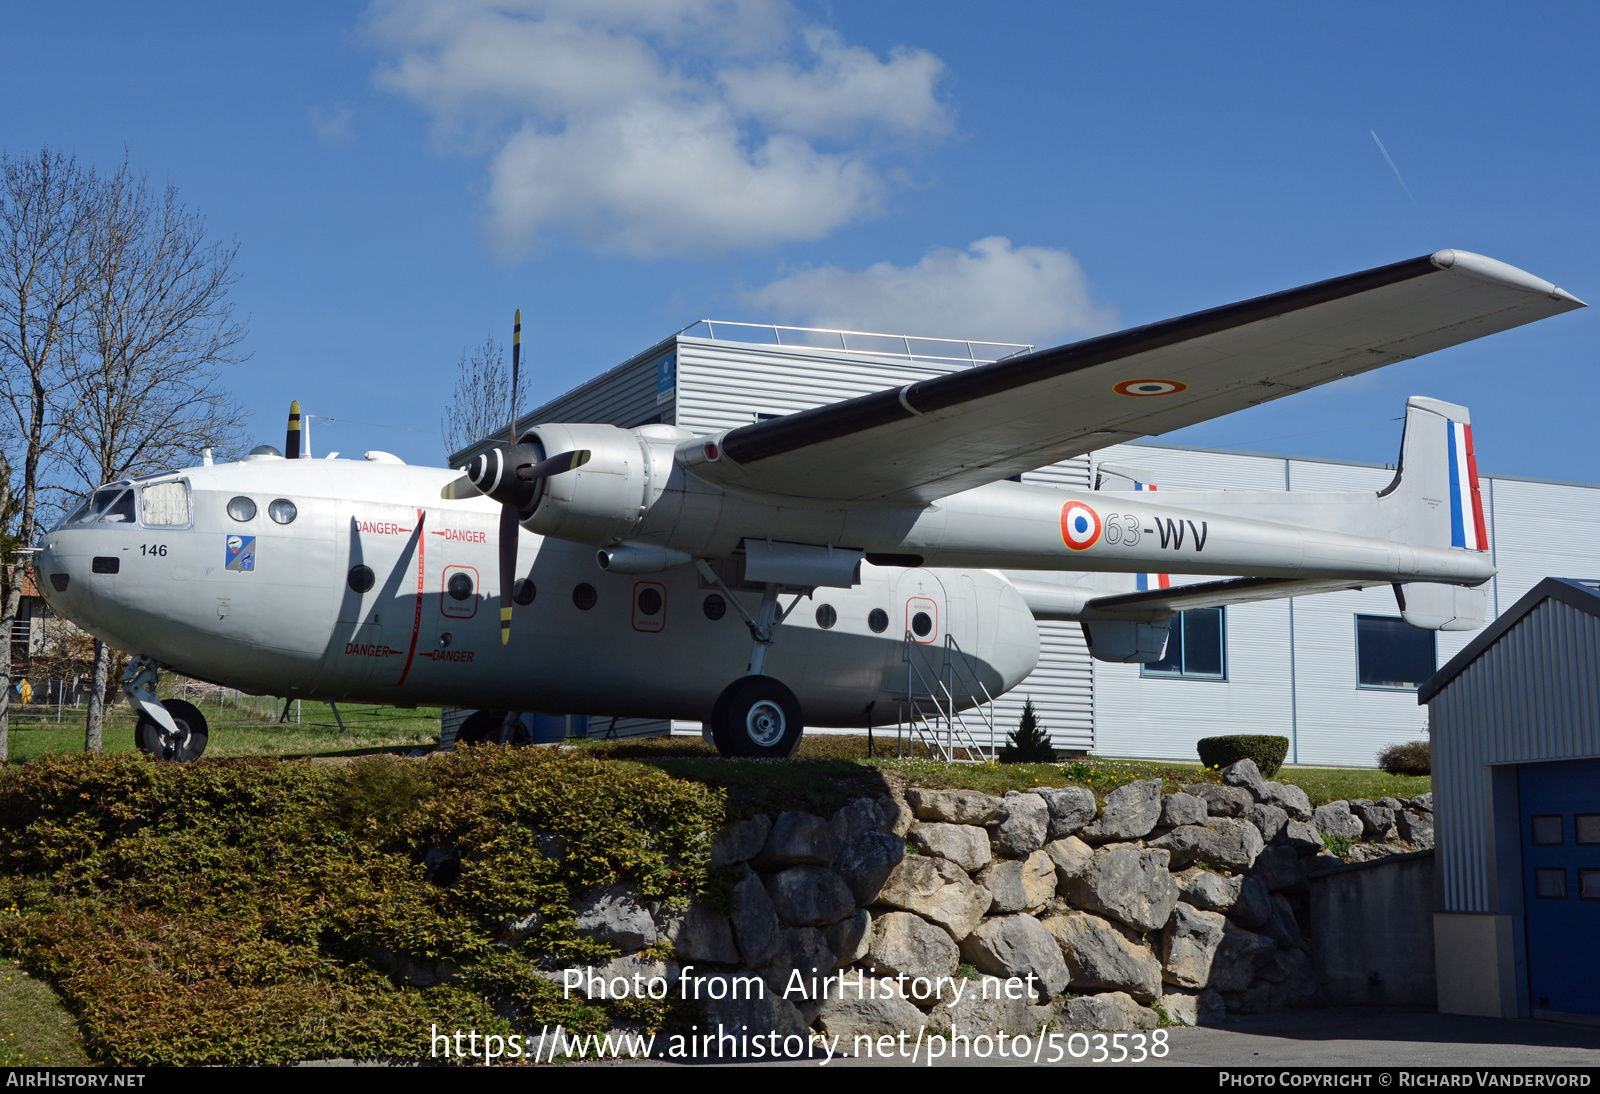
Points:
(1437, 504)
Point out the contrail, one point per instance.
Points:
(1393, 168)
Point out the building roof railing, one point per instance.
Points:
(907, 347)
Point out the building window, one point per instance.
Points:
(1196, 647)
(1391, 653)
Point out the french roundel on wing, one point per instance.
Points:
(1080, 526)
(1143, 389)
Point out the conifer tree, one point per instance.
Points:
(1030, 744)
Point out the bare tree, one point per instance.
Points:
(157, 327)
(47, 236)
(481, 404)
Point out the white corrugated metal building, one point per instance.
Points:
(1288, 667)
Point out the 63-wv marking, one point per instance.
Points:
(1125, 529)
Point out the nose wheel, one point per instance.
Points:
(757, 716)
(180, 744)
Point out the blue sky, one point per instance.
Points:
(400, 176)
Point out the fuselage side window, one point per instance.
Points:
(165, 504)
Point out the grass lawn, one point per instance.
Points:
(35, 1029)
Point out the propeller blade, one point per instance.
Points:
(460, 489)
(509, 528)
(291, 442)
(555, 465)
(516, 362)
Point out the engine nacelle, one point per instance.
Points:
(604, 500)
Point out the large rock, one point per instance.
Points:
(1071, 857)
(1302, 836)
(1281, 927)
(612, 915)
(1022, 828)
(1268, 819)
(875, 1010)
(1221, 842)
(1130, 812)
(1112, 1011)
(1416, 829)
(966, 845)
(699, 935)
(1189, 945)
(1336, 820)
(1017, 945)
(1254, 906)
(937, 890)
(1291, 799)
(1246, 776)
(1423, 802)
(986, 1008)
(861, 815)
(1020, 884)
(897, 815)
(850, 938)
(907, 944)
(802, 950)
(1366, 852)
(740, 1002)
(796, 839)
(740, 842)
(1185, 1008)
(1182, 808)
(1221, 801)
(1127, 883)
(954, 806)
(1207, 891)
(1377, 821)
(1279, 867)
(1071, 807)
(809, 896)
(866, 861)
(1235, 963)
(755, 921)
(1102, 955)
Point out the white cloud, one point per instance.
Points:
(332, 125)
(666, 128)
(990, 291)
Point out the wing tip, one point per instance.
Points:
(1484, 268)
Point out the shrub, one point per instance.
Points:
(1411, 758)
(1030, 744)
(1267, 752)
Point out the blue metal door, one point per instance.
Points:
(1560, 807)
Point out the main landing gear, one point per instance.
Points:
(757, 715)
(168, 729)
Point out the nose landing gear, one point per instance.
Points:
(170, 729)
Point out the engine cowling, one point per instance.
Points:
(602, 501)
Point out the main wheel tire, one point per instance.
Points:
(757, 716)
(481, 726)
(191, 738)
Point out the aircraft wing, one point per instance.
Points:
(1048, 600)
(950, 433)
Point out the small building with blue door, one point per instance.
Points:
(1515, 722)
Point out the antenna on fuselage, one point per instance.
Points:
(291, 441)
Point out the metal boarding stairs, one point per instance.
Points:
(941, 678)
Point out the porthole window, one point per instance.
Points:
(282, 511)
(921, 624)
(242, 508)
(361, 578)
(523, 592)
(649, 601)
(715, 607)
(459, 586)
(584, 596)
(826, 616)
(878, 620)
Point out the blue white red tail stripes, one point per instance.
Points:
(1466, 504)
(1146, 582)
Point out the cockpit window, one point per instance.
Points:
(165, 504)
(119, 511)
(98, 503)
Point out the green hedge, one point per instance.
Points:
(229, 911)
(1267, 752)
